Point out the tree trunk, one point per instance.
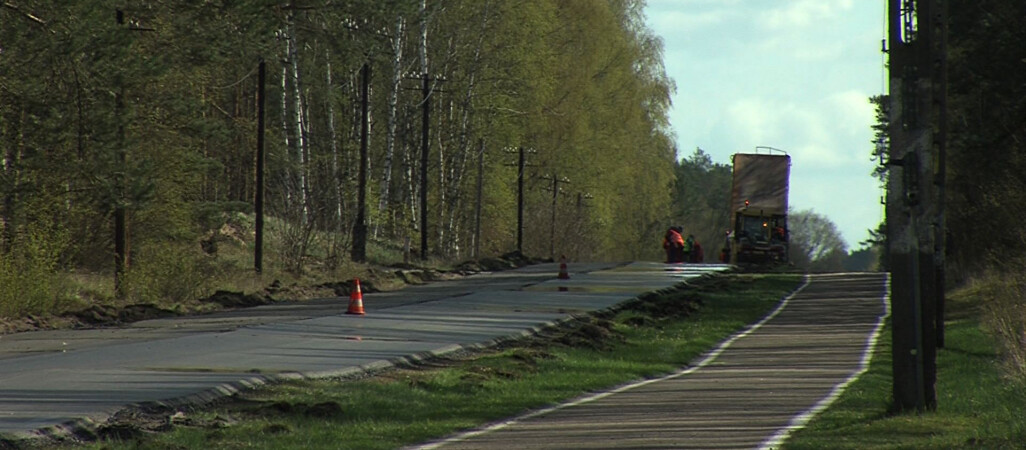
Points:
(285, 120)
(300, 125)
(458, 164)
(425, 142)
(333, 136)
(393, 101)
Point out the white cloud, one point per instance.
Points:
(682, 21)
(852, 111)
(818, 51)
(802, 13)
(804, 132)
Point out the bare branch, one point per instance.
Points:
(27, 15)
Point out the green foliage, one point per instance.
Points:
(1000, 297)
(986, 134)
(158, 115)
(30, 280)
(881, 137)
(168, 273)
(863, 260)
(701, 200)
(814, 242)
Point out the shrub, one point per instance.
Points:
(1005, 317)
(29, 279)
(168, 273)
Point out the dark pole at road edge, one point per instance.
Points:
(425, 145)
(480, 194)
(359, 252)
(120, 215)
(911, 203)
(258, 251)
(520, 200)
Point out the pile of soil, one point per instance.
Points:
(511, 260)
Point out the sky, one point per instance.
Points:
(795, 75)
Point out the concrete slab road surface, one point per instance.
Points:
(53, 381)
(751, 392)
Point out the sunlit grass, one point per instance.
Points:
(978, 404)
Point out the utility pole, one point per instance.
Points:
(258, 251)
(480, 195)
(121, 239)
(359, 252)
(120, 215)
(939, 28)
(521, 164)
(552, 224)
(425, 145)
(914, 211)
(425, 151)
(120, 218)
(521, 161)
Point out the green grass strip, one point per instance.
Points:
(977, 407)
(651, 336)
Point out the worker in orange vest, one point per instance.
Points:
(673, 243)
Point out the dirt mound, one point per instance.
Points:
(344, 288)
(511, 260)
(666, 307)
(110, 315)
(231, 299)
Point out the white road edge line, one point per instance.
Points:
(709, 358)
(801, 420)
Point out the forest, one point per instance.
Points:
(986, 167)
(129, 137)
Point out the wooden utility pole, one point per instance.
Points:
(120, 215)
(552, 224)
(258, 250)
(425, 143)
(521, 164)
(521, 161)
(939, 28)
(425, 146)
(480, 199)
(122, 249)
(914, 211)
(359, 252)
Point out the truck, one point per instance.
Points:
(758, 231)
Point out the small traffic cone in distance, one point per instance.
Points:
(356, 299)
(563, 273)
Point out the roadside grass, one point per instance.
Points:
(978, 404)
(648, 337)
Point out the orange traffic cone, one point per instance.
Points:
(563, 274)
(356, 299)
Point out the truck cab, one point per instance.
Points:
(759, 237)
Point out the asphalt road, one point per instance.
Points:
(54, 381)
(751, 392)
